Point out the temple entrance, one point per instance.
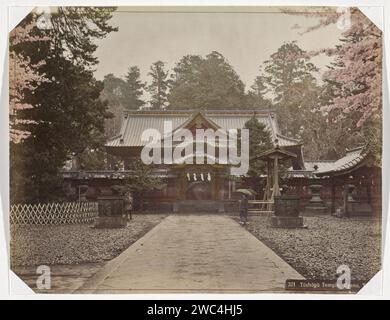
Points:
(199, 190)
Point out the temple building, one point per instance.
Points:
(208, 186)
(351, 184)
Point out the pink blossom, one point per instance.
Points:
(359, 64)
(23, 75)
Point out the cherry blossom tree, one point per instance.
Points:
(23, 76)
(356, 73)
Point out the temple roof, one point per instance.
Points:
(135, 122)
(354, 158)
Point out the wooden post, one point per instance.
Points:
(267, 191)
(333, 206)
(276, 191)
(345, 200)
(369, 196)
(214, 184)
(181, 186)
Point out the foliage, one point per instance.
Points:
(126, 92)
(92, 159)
(287, 67)
(68, 115)
(289, 77)
(23, 77)
(356, 74)
(357, 71)
(256, 97)
(158, 88)
(132, 90)
(75, 30)
(142, 178)
(113, 87)
(259, 142)
(205, 83)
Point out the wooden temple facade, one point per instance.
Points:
(210, 186)
(205, 187)
(350, 184)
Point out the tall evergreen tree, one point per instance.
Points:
(257, 94)
(259, 141)
(113, 88)
(133, 90)
(67, 114)
(205, 83)
(289, 75)
(158, 88)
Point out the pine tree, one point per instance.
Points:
(67, 114)
(289, 75)
(113, 88)
(158, 89)
(257, 94)
(259, 141)
(133, 90)
(206, 83)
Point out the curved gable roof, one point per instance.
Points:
(135, 122)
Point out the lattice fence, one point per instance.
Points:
(54, 213)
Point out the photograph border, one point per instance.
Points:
(16, 290)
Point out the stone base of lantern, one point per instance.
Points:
(286, 222)
(110, 222)
(111, 212)
(316, 205)
(356, 208)
(316, 208)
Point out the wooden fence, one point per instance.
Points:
(54, 213)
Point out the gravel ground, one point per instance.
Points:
(75, 244)
(328, 242)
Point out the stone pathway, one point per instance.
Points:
(63, 278)
(194, 253)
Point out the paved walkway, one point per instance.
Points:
(194, 253)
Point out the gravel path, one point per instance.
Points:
(328, 242)
(75, 244)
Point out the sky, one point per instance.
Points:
(245, 39)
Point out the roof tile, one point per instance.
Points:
(134, 124)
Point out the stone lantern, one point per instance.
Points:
(316, 205)
(111, 209)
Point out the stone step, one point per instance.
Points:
(190, 206)
(259, 213)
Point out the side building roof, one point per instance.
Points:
(354, 158)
